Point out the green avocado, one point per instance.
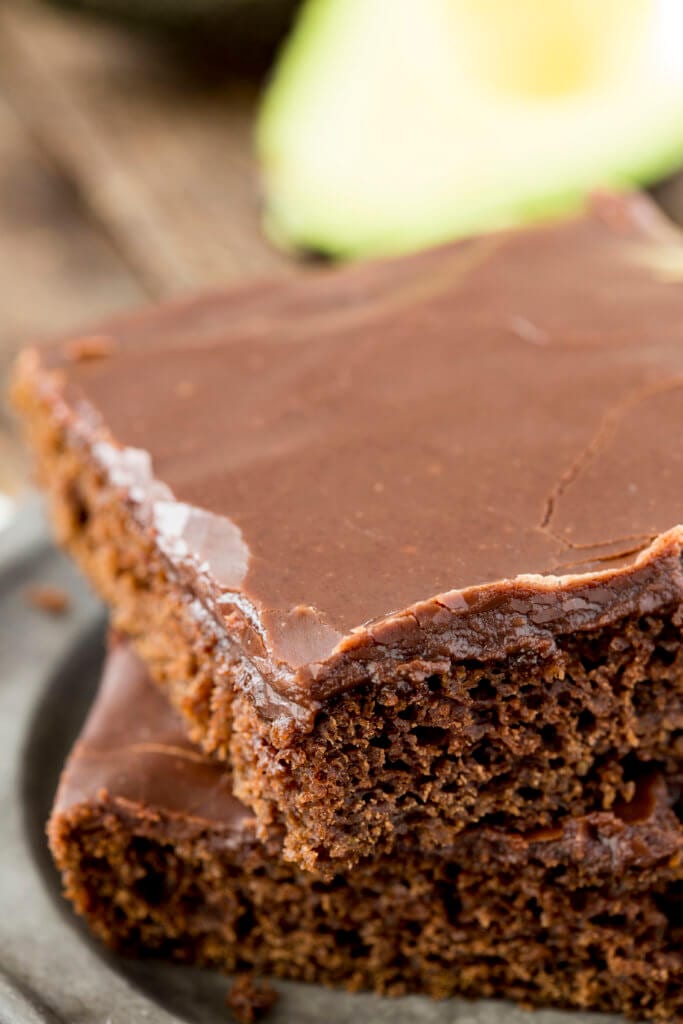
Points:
(393, 124)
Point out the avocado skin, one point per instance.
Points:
(245, 29)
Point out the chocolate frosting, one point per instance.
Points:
(482, 441)
(133, 754)
(133, 747)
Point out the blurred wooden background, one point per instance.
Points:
(124, 177)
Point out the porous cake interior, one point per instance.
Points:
(519, 740)
(541, 933)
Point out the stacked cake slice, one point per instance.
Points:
(401, 543)
(159, 856)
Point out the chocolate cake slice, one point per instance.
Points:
(161, 859)
(401, 540)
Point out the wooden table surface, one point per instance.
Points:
(124, 178)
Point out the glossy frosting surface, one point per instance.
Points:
(337, 446)
(134, 747)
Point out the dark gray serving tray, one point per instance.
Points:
(51, 971)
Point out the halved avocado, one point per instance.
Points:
(392, 124)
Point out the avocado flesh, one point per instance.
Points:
(393, 124)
